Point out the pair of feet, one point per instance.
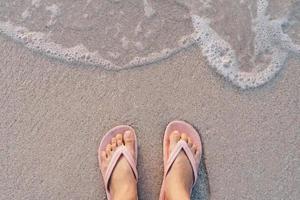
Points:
(122, 184)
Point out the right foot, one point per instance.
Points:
(179, 179)
(122, 184)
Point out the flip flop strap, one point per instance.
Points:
(121, 150)
(182, 145)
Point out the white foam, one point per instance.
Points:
(270, 41)
(41, 42)
(269, 38)
(38, 41)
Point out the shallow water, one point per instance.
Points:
(247, 42)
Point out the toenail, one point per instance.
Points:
(119, 142)
(127, 133)
(184, 136)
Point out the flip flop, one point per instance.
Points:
(181, 127)
(120, 151)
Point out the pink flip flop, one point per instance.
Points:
(181, 127)
(120, 151)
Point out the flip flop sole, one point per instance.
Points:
(107, 140)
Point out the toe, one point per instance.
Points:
(119, 139)
(108, 150)
(190, 143)
(129, 140)
(114, 143)
(184, 137)
(103, 156)
(174, 138)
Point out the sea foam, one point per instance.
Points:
(109, 53)
(270, 40)
(271, 43)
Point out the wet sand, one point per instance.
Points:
(53, 115)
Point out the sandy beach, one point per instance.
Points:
(53, 115)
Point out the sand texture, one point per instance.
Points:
(53, 115)
(72, 70)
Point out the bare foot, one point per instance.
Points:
(122, 184)
(179, 180)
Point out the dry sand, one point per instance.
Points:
(53, 115)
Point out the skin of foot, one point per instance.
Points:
(179, 179)
(122, 184)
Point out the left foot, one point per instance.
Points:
(122, 184)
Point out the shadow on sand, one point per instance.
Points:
(201, 190)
